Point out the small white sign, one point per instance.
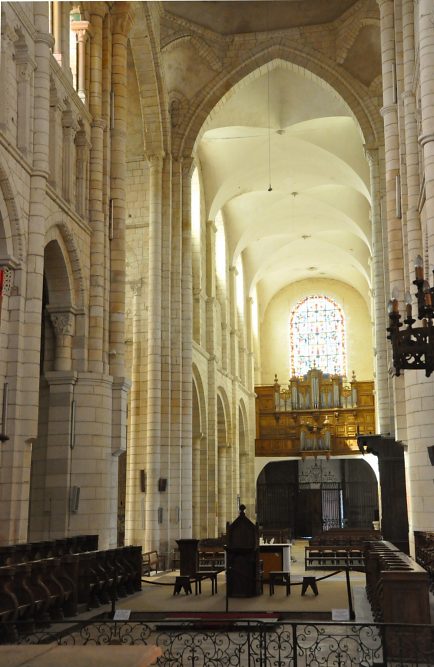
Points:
(340, 615)
(122, 615)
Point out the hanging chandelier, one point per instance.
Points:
(413, 347)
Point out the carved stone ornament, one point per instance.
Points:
(63, 322)
(7, 281)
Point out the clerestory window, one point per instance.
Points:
(317, 336)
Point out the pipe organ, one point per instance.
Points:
(317, 414)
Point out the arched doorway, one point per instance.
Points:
(306, 497)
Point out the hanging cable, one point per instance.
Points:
(269, 131)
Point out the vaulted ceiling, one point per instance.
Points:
(286, 129)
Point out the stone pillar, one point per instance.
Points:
(187, 352)
(121, 23)
(63, 321)
(96, 212)
(16, 459)
(414, 232)
(8, 38)
(59, 453)
(212, 458)
(57, 30)
(25, 69)
(56, 140)
(395, 245)
(153, 353)
(222, 511)
(136, 458)
(203, 487)
(68, 171)
(82, 174)
(391, 138)
(81, 30)
(426, 139)
(172, 443)
(383, 390)
(196, 499)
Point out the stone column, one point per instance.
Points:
(81, 30)
(25, 69)
(8, 39)
(63, 321)
(222, 518)
(383, 390)
(16, 457)
(391, 138)
(96, 212)
(70, 127)
(187, 352)
(82, 173)
(426, 139)
(395, 245)
(57, 30)
(121, 23)
(59, 453)
(196, 499)
(136, 458)
(414, 232)
(203, 487)
(172, 358)
(212, 458)
(56, 140)
(153, 353)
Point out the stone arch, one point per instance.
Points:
(62, 265)
(148, 67)
(352, 92)
(11, 228)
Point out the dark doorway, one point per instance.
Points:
(304, 505)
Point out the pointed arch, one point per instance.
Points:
(351, 91)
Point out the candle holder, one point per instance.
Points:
(413, 347)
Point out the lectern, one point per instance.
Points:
(243, 572)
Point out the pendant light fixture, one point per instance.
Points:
(269, 131)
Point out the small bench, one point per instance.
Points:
(182, 583)
(278, 576)
(309, 582)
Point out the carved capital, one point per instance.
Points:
(122, 18)
(63, 321)
(81, 28)
(371, 154)
(25, 66)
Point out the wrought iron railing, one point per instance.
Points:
(215, 641)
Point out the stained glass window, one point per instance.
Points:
(317, 336)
